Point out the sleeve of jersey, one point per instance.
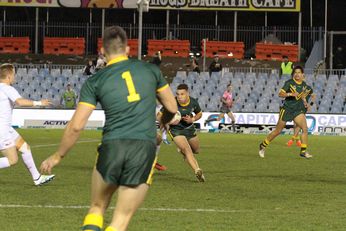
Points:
(286, 87)
(161, 82)
(87, 95)
(198, 108)
(13, 94)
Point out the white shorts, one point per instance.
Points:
(8, 137)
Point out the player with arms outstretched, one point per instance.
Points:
(127, 91)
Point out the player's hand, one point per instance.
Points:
(46, 102)
(48, 164)
(294, 94)
(188, 119)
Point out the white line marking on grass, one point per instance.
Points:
(52, 145)
(143, 209)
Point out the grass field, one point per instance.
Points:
(242, 192)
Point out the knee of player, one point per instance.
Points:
(13, 160)
(305, 130)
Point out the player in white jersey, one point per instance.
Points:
(10, 141)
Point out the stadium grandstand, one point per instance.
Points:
(50, 43)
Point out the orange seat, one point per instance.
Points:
(224, 49)
(15, 45)
(64, 46)
(169, 48)
(265, 51)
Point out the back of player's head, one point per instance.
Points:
(297, 68)
(228, 85)
(183, 86)
(5, 70)
(114, 40)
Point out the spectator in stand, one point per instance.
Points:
(286, 66)
(69, 97)
(89, 69)
(215, 66)
(101, 62)
(195, 67)
(157, 59)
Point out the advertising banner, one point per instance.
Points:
(224, 5)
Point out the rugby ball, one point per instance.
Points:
(176, 119)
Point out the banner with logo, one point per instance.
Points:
(224, 5)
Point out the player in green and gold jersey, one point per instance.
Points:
(127, 91)
(294, 91)
(184, 133)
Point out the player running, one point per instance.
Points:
(294, 91)
(10, 141)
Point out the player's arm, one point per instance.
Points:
(22, 102)
(70, 136)
(167, 99)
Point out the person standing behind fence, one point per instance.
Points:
(286, 66)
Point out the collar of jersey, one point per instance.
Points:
(297, 82)
(117, 59)
(185, 104)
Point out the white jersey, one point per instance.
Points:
(8, 95)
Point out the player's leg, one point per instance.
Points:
(194, 144)
(101, 194)
(29, 162)
(10, 157)
(7, 148)
(129, 200)
(231, 116)
(164, 137)
(158, 146)
(279, 126)
(295, 137)
(300, 120)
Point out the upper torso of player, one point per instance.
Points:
(303, 90)
(8, 95)
(187, 109)
(126, 90)
(228, 97)
(69, 95)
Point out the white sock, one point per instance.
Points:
(164, 135)
(29, 161)
(158, 149)
(4, 163)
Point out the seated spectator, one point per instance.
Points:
(89, 69)
(156, 59)
(215, 66)
(101, 62)
(195, 67)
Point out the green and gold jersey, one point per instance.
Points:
(126, 90)
(187, 109)
(296, 103)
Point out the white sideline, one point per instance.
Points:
(51, 145)
(143, 209)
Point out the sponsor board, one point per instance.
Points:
(224, 5)
(59, 124)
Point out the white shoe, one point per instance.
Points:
(305, 155)
(43, 179)
(199, 175)
(261, 152)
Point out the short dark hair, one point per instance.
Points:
(229, 85)
(183, 86)
(114, 40)
(285, 57)
(297, 67)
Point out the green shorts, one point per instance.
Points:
(127, 162)
(289, 115)
(189, 133)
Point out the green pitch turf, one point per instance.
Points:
(242, 191)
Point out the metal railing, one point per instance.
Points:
(195, 33)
